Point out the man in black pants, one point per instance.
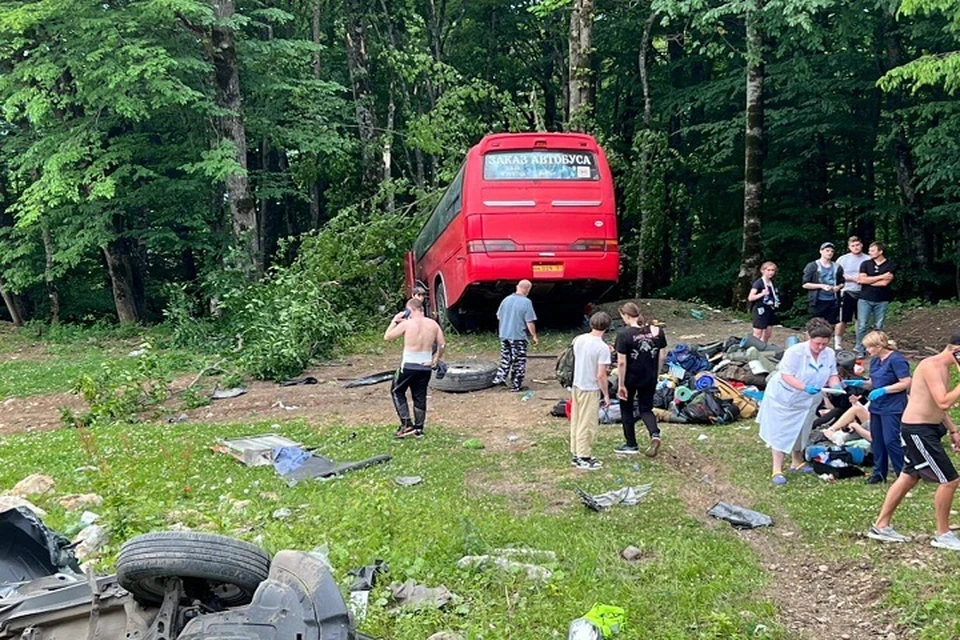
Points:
(420, 334)
(639, 359)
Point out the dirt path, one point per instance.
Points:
(814, 599)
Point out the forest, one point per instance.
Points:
(268, 162)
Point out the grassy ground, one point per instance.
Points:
(696, 579)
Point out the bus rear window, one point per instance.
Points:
(540, 165)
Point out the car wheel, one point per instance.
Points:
(466, 376)
(227, 568)
(448, 319)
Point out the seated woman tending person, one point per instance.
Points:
(793, 394)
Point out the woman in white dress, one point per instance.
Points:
(793, 394)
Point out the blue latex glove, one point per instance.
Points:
(877, 393)
(854, 383)
(812, 390)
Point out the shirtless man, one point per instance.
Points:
(420, 334)
(925, 421)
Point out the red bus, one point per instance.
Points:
(538, 206)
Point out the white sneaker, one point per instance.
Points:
(888, 534)
(949, 540)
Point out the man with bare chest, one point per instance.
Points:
(925, 421)
(420, 334)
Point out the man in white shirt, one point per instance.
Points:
(850, 294)
(591, 359)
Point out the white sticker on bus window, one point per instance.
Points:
(583, 172)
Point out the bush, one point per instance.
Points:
(118, 392)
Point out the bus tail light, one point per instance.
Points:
(594, 244)
(490, 246)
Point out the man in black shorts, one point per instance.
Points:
(925, 421)
(823, 279)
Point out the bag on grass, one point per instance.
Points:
(704, 407)
(746, 407)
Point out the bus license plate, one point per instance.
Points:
(548, 269)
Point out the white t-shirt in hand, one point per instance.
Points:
(589, 352)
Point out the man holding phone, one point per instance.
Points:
(423, 346)
(925, 421)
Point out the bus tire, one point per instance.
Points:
(447, 318)
(461, 377)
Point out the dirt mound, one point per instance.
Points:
(923, 332)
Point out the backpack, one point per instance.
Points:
(687, 359)
(746, 408)
(564, 367)
(704, 407)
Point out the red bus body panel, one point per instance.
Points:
(542, 218)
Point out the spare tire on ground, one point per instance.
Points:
(227, 568)
(472, 375)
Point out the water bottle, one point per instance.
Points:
(526, 396)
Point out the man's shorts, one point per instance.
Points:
(763, 317)
(848, 306)
(923, 453)
(829, 310)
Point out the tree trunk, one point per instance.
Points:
(388, 148)
(243, 212)
(120, 267)
(750, 257)
(580, 109)
(14, 305)
(317, 70)
(358, 66)
(645, 159)
(53, 293)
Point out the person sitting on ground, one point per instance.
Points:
(853, 424)
(793, 394)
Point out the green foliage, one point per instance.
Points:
(119, 393)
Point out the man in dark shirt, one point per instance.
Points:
(875, 277)
(640, 357)
(822, 280)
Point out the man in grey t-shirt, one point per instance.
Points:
(850, 294)
(516, 318)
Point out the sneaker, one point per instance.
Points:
(418, 433)
(574, 461)
(653, 449)
(804, 468)
(887, 534)
(949, 540)
(779, 479)
(405, 432)
(627, 450)
(875, 480)
(589, 464)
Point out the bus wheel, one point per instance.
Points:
(447, 318)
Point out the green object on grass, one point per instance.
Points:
(696, 313)
(473, 443)
(608, 618)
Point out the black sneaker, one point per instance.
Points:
(589, 464)
(875, 480)
(418, 433)
(627, 450)
(574, 461)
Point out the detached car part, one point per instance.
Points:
(169, 586)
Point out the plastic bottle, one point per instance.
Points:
(526, 396)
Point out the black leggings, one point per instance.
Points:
(644, 398)
(416, 380)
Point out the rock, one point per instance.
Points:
(90, 541)
(13, 502)
(280, 514)
(823, 568)
(33, 485)
(77, 501)
(631, 553)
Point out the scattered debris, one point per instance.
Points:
(602, 621)
(740, 517)
(627, 496)
(77, 501)
(136, 353)
(408, 481)
(14, 502)
(224, 394)
(299, 381)
(282, 513)
(473, 443)
(366, 381)
(445, 635)
(279, 404)
(692, 336)
(512, 438)
(702, 437)
(533, 571)
(33, 485)
(296, 464)
(411, 594)
(364, 580)
(178, 419)
(254, 451)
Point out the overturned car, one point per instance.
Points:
(174, 585)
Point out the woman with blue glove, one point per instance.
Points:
(793, 394)
(890, 381)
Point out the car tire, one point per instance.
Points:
(466, 376)
(449, 319)
(232, 569)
